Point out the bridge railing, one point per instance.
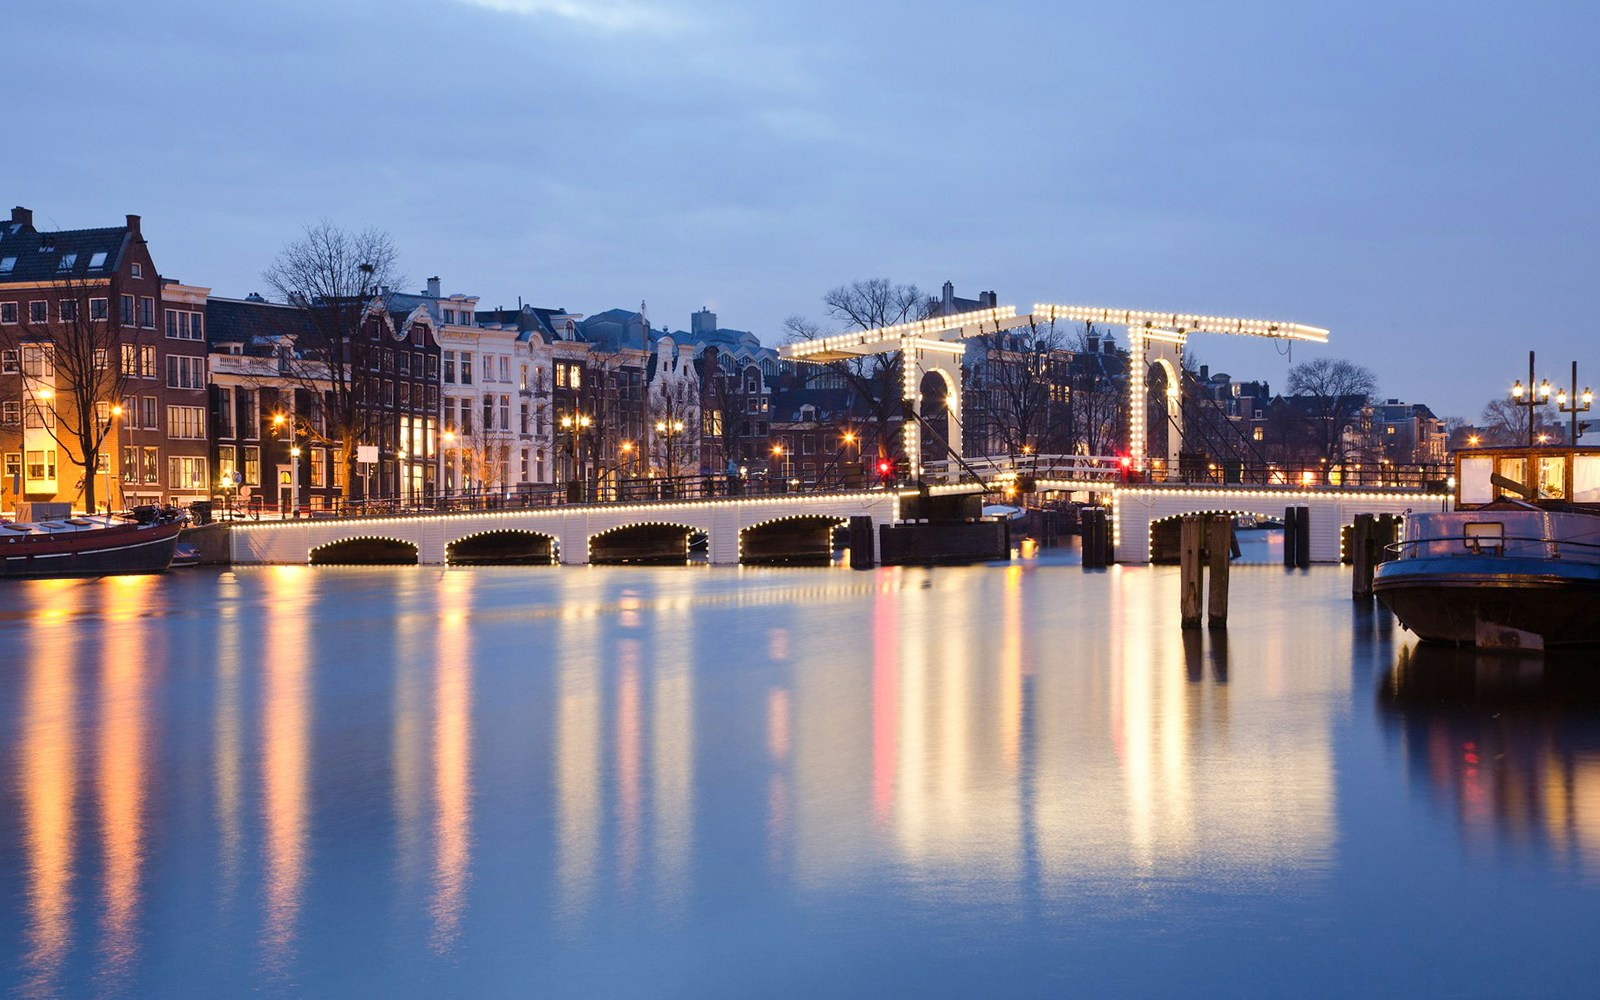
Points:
(535, 496)
(1110, 469)
(1082, 468)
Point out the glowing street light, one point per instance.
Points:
(1571, 405)
(1536, 396)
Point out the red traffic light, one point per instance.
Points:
(885, 467)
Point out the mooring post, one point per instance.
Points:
(1219, 546)
(1361, 557)
(1385, 535)
(1290, 538)
(1190, 569)
(1303, 543)
(1091, 536)
(861, 551)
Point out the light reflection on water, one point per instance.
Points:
(640, 781)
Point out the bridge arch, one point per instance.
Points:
(791, 540)
(365, 550)
(642, 543)
(503, 547)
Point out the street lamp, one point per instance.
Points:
(281, 421)
(1571, 404)
(449, 438)
(574, 424)
(116, 413)
(1536, 396)
(778, 451)
(670, 429)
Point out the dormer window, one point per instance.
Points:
(449, 315)
(97, 261)
(68, 261)
(7, 264)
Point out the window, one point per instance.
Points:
(99, 309)
(319, 467)
(68, 262)
(38, 312)
(147, 312)
(561, 374)
(466, 317)
(505, 413)
(227, 462)
(488, 413)
(449, 315)
(125, 303)
(13, 470)
(8, 312)
(450, 367)
(466, 417)
(147, 408)
(505, 368)
(10, 362)
(138, 361)
(102, 463)
(130, 464)
(185, 372)
(7, 264)
(466, 368)
(252, 465)
(252, 414)
(42, 465)
(11, 413)
(38, 362)
(523, 422)
(523, 384)
(97, 260)
(186, 472)
(186, 422)
(404, 364)
(102, 414)
(130, 412)
(225, 415)
(67, 309)
(135, 270)
(1258, 434)
(152, 466)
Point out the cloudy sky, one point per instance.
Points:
(1418, 177)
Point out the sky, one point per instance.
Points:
(1417, 177)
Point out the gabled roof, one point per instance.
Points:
(38, 257)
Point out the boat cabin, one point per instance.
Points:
(1555, 475)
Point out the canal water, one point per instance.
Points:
(991, 781)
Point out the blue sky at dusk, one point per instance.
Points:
(1418, 177)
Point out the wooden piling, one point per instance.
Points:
(1190, 569)
(861, 548)
(1302, 536)
(1219, 546)
(1290, 538)
(1091, 523)
(1361, 548)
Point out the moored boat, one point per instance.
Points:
(1515, 564)
(89, 546)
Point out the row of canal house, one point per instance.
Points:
(171, 394)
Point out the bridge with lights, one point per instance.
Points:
(1141, 492)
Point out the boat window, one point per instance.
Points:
(1514, 469)
(1586, 479)
(1475, 486)
(1485, 535)
(1553, 478)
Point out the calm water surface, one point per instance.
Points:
(1020, 780)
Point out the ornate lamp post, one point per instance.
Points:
(1572, 405)
(279, 422)
(669, 431)
(1535, 396)
(574, 424)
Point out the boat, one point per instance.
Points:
(1514, 564)
(103, 545)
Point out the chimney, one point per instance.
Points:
(1205, 373)
(947, 301)
(989, 300)
(433, 287)
(133, 224)
(1092, 344)
(22, 216)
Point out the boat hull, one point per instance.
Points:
(123, 549)
(1443, 600)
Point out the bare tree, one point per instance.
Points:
(1097, 399)
(1013, 387)
(334, 275)
(1505, 422)
(869, 305)
(1333, 392)
(77, 357)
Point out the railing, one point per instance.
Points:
(536, 496)
(1109, 469)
